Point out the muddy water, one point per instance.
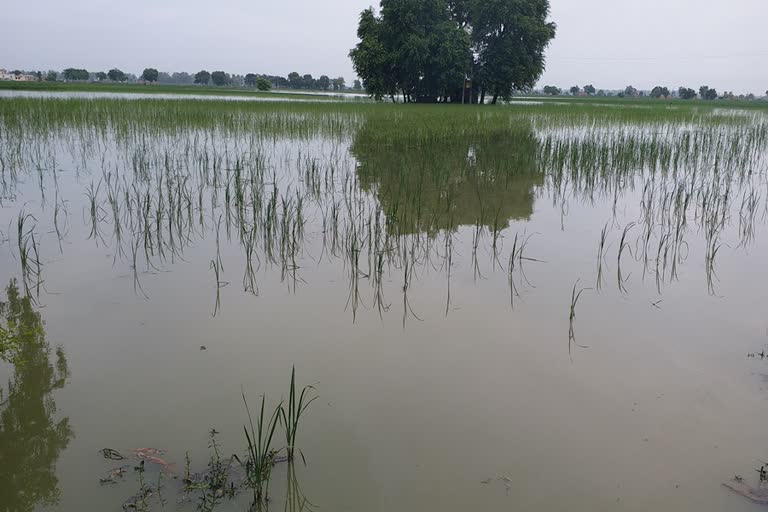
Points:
(441, 386)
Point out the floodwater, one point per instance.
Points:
(426, 292)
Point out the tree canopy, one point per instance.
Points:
(149, 75)
(250, 79)
(202, 77)
(263, 84)
(75, 74)
(426, 49)
(686, 93)
(706, 93)
(116, 75)
(660, 92)
(220, 78)
(631, 91)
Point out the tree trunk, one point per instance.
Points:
(495, 97)
(482, 97)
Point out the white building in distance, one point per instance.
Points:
(8, 76)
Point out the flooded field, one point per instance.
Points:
(539, 307)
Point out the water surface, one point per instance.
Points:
(419, 268)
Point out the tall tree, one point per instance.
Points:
(101, 76)
(372, 57)
(182, 78)
(220, 78)
(324, 82)
(308, 82)
(660, 92)
(415, 48)
(686, 93)
(575, 90)
(250, 80)
(263, 84)
(589, 89)
(425, 49)
(706, 93)
(116, 75)
(202, 77)
(509, 39)
(75, 74)
(149, 75)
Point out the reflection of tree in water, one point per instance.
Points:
(451, 181)
(30, 438)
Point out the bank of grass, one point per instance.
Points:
(386, 123)
(647, 102)
(159, 89)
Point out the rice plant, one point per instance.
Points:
(290, 415)
(575, 296)
(260, 456)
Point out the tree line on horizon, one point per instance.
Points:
(261, 82)
(659, 92)
(307, 82)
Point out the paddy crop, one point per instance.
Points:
(439, 226)
(161, 174)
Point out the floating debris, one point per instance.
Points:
(111, 454)
(141, 452)
(165, 466)
(114, 474)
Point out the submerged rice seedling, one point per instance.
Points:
(572, 316)
(260, 455)
(290, 416)
(601, 256)
(623, 244)
(370, 188)
(29, 254)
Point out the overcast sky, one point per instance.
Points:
(609, 43)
